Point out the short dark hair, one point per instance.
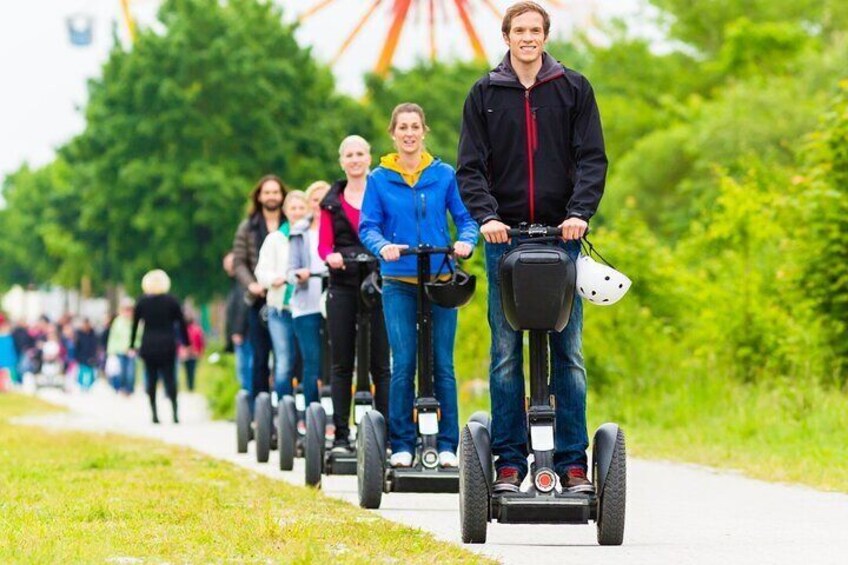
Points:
(522, 8)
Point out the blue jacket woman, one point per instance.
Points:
(406, 204)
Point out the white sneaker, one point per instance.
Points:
(448, 459)
(401, 459)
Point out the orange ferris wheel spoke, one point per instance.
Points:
(401, 9)
(494, 9)
(314, 9)
(359, 25)
(476, 44)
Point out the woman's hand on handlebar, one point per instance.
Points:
(573, 228)
(335, 261)
(302, 275)
(391, 252)
(494, 231)
(462, 249)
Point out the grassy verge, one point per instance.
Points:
(82, 498)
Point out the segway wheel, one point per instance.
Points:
(473, 492)
(612, 500)
(242, 421)
(264, 422)
(370, 460)
(287, 432)
(482, 418)
(314, 444)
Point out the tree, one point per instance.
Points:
(180, 127)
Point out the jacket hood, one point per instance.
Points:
(392, 171)
(505, 74)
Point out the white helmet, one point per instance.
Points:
(599, 283)
(322, 304)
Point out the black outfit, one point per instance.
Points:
(162, 316)
(236, 314)
(342, 307)
(502, 118)
(23, 341)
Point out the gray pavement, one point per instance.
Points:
(676, 513)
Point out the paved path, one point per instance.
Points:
(676, 513)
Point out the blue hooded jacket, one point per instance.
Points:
(394, 212)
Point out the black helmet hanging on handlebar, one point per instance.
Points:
(454, 292)
(372, 289)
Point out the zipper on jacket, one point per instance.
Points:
(529, 119)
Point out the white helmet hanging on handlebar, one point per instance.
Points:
(599, 283)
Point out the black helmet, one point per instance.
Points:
(454, 292)
(372, 289)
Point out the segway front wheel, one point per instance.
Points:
(242, 421)
(314, 444)
(482, 417)
(370, 459)
(473, 491)
(287, 432)
(263, 424)
(612, 497)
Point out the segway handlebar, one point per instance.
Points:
(360, 258)
(427, 250)
(535, 230)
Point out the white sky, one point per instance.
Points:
(43, 77)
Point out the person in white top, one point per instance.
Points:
(304, 265)
(271, 271)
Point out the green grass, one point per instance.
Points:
(68, 497)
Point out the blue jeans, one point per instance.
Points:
(506, 379)
(308, 331)
(244, 364)
(399, 308)
(126, 380)
(281, 329)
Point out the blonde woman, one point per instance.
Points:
(304, 261)
(160, 312)
(271, 271)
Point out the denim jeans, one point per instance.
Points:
(285, 349)
(506, 379)
(126, 379)
(400, 307)
(308, 331)
(244, 364)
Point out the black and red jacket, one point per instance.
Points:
(533, 154)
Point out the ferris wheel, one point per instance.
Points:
(436, 14)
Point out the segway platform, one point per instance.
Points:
(555, 508)
(413, 479)
(340, 463)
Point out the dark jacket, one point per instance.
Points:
(236, 314)
(531, 155)
(85, 347)
(163, 322)
(249, 237)
(345, 237)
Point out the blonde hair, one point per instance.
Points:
(156, 282)
(353, 139)
(407, 107)
(295, 195)
(315, 187)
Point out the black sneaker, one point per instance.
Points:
(574, 480)
(509, 480)
(341, 446)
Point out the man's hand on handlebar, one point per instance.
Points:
(462, 249)
(494, 231)
(573, 228)
(391, 252)
(335, 261)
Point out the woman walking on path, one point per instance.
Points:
(339, 238)
(193, 351)
(271, 271)
(408, 198)
(160, 313)
(118, 347)
(304, 261)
